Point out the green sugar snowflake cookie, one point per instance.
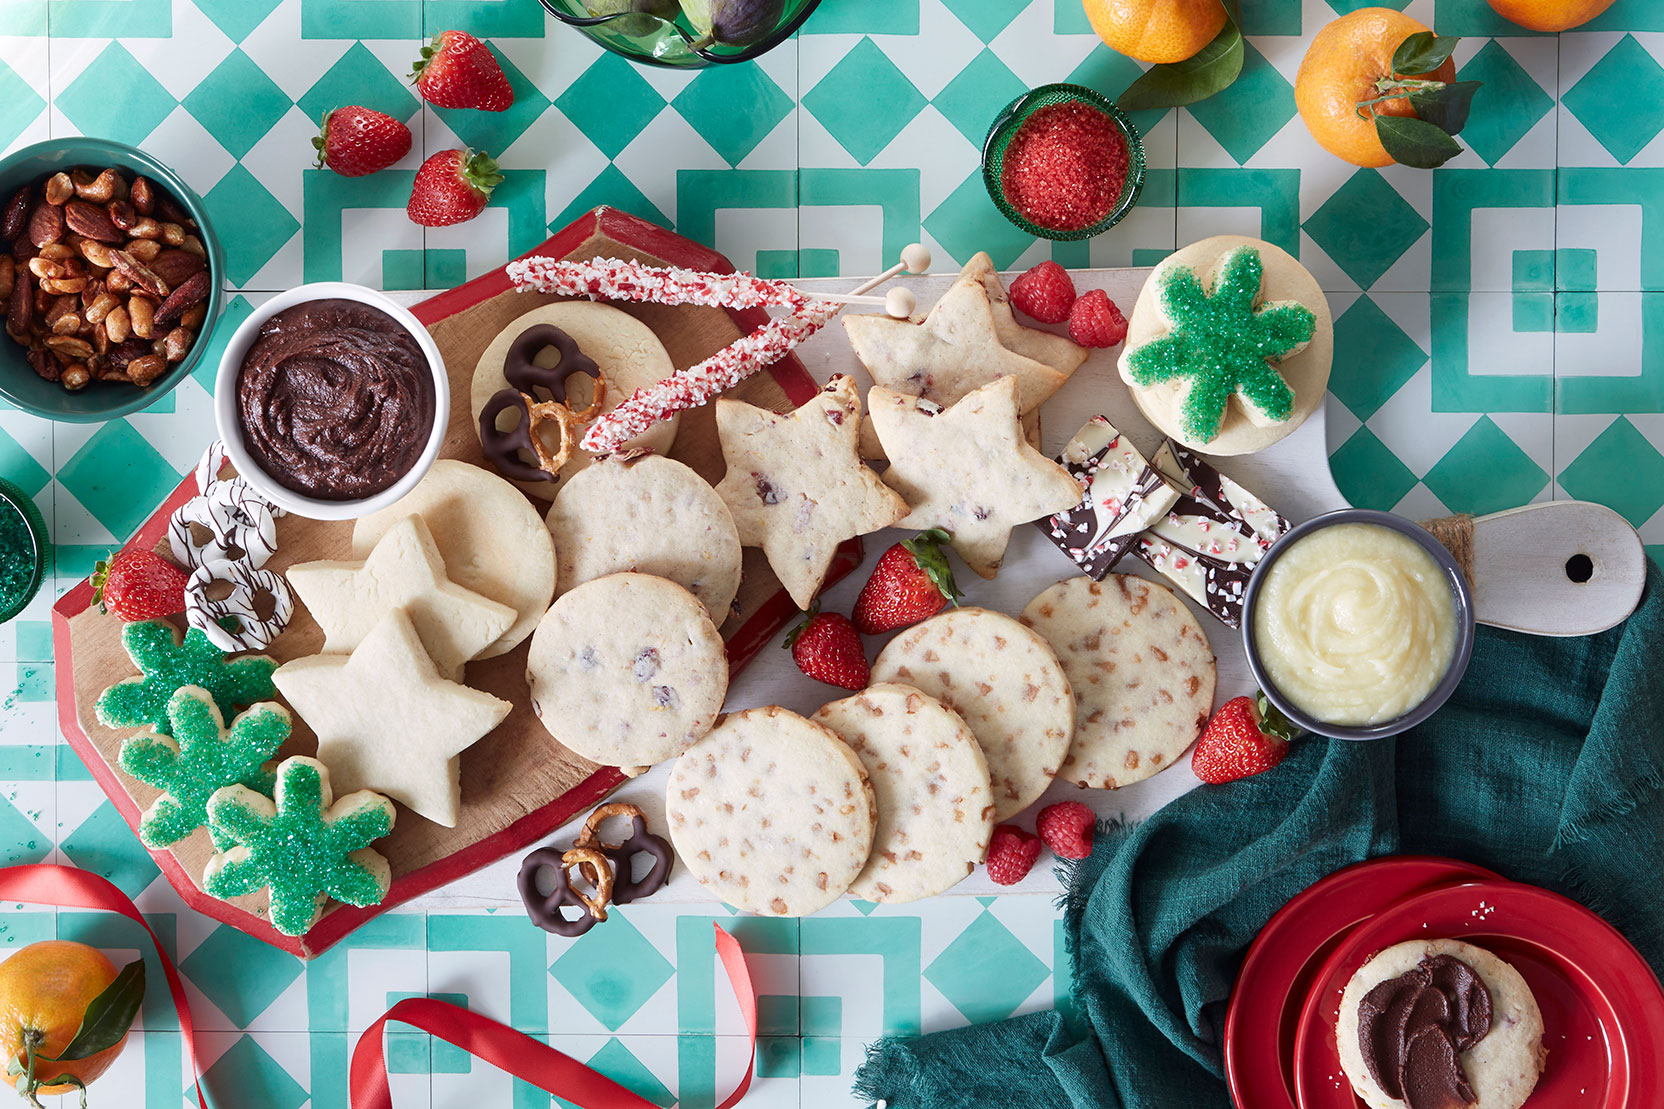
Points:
(305, 848)
(1222, 343)
(166, 663)
(198, 756)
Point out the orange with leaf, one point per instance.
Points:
(64, 1016)
(1377, 87)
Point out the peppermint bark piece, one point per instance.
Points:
(1122, 495)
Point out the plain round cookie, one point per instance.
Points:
(1005, 681)
(1142, 671)
(627, 670)
(491, 538)
(771, 812)
(1502, 1068)
(652, 515)
(1307, 371)
(627, 351)
(930, 779)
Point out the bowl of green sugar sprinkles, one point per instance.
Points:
(25, 550)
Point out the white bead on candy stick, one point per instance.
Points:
(898, 302)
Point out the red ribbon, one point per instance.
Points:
(497, 1044)
(524, 1057)
(68, 888)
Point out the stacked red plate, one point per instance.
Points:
(1603, 1010)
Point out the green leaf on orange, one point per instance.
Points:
(108, 1017)
(1422, 52)
(1445, 108)
(1210, 70)
(1415, 142)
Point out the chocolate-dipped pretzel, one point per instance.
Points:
(626, 888)
(547, 912)
(504, 448)
(521, 370)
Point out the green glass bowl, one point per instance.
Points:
(1010, 121)
(101, 400)
(655, 41)
(12, 498)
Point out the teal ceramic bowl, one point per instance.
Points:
(101, 400)
(673, 42)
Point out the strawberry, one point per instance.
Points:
(355, 141)
(1245, 737)
(460, 71)
(1066, 828)
(1094, 321)
(912, 581)
(452, 187)
(138, 585)
(827, 648)
(1044, 293)
(1012, 853)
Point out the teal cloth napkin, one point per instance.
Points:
(1545, 766)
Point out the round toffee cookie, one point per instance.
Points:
(935, 806)
(492, 541)
(651, 515)
(1005, 681)
(1218, 335)
(625, 350)
(1141, 669)
(627, 670)
(771, 812)
(1481, 1044)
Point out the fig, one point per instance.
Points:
(734, 22)
(664, 9)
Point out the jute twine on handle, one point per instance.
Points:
(1455, 533)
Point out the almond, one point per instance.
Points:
(91, 221)
(16, 216)
(174, 266)
(46, 224)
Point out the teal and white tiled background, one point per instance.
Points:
(1500, 339)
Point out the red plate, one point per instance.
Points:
(1603, 1011)
(1284, 958)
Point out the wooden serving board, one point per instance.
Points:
(518, 783)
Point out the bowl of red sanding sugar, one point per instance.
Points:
(1063, 162)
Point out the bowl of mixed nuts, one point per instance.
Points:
(109, 279)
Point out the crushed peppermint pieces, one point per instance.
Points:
(1065, 168)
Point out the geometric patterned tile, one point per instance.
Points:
(1620, 100)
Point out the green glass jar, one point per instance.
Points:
(25, 550)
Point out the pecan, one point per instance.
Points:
(145, 369)
(145, 250)
(76, 376)
(117, 324)
(193, 292)
(122, 352)
(43, 365)
(141, 311)
(142, 196)
(16, 216)
(46, 224)
(121, 214)
(20, 310)
(141, 275)
(59, 188)
(91, 221)
(174, 266)
(176, 344)
(101, 189)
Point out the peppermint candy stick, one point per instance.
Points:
(616, 279)
(698, 384)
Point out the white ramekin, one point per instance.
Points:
(230, 427)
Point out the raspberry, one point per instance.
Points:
(1044, 293)
(1067, 829)
(1094, 321)
(1011, 854)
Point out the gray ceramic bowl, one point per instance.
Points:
(1460, 593)
(101, 400)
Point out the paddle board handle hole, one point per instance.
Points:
(1580, 568)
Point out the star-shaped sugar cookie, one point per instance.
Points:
(796, 485)
(404, 570)
(386, 720)
(968, 469)
(957, 349)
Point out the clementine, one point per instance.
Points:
(1156, 30)
(45, 989)
(1550, 15)
(1347, 63)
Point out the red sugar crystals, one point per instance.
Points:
(1065, 167)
